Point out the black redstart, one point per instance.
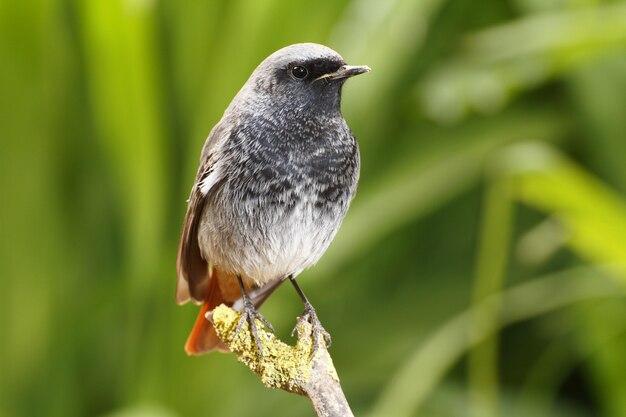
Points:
(276, 176)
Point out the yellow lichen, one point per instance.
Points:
(283, 366)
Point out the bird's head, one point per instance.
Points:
(304, 76)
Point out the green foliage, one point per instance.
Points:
(492, 138)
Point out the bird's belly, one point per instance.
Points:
(268, 243)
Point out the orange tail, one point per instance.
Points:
(203, 338)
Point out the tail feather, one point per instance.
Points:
(222, 289)
(203, 338)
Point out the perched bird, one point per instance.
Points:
(276, 176)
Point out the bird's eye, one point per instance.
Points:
(299, 72)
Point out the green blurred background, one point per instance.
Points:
(480, 271)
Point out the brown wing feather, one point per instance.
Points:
(192, 268)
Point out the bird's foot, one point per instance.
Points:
(317, 330)
(250, 314)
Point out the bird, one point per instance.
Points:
(275, 179)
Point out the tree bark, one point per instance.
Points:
(289, 368)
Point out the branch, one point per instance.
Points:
(286, 367)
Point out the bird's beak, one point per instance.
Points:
(345, 71)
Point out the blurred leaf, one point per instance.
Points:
(603, 338)
(594, 217)
(142, 411)
(385, 36)
(422, 371)
(594, 333)
(450, 400)
(601, 108)
(503, 61)
(593, 214)
(491, 268)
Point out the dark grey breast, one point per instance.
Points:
(280, 161)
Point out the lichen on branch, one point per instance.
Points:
(290, 368)
(282, 366)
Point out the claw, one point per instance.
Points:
(251, 314)
(309, 315)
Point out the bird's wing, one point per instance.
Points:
(192, 268)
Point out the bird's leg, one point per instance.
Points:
(250, 313)
(310, 316)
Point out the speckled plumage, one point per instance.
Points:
(276, 176)
(285, 181)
